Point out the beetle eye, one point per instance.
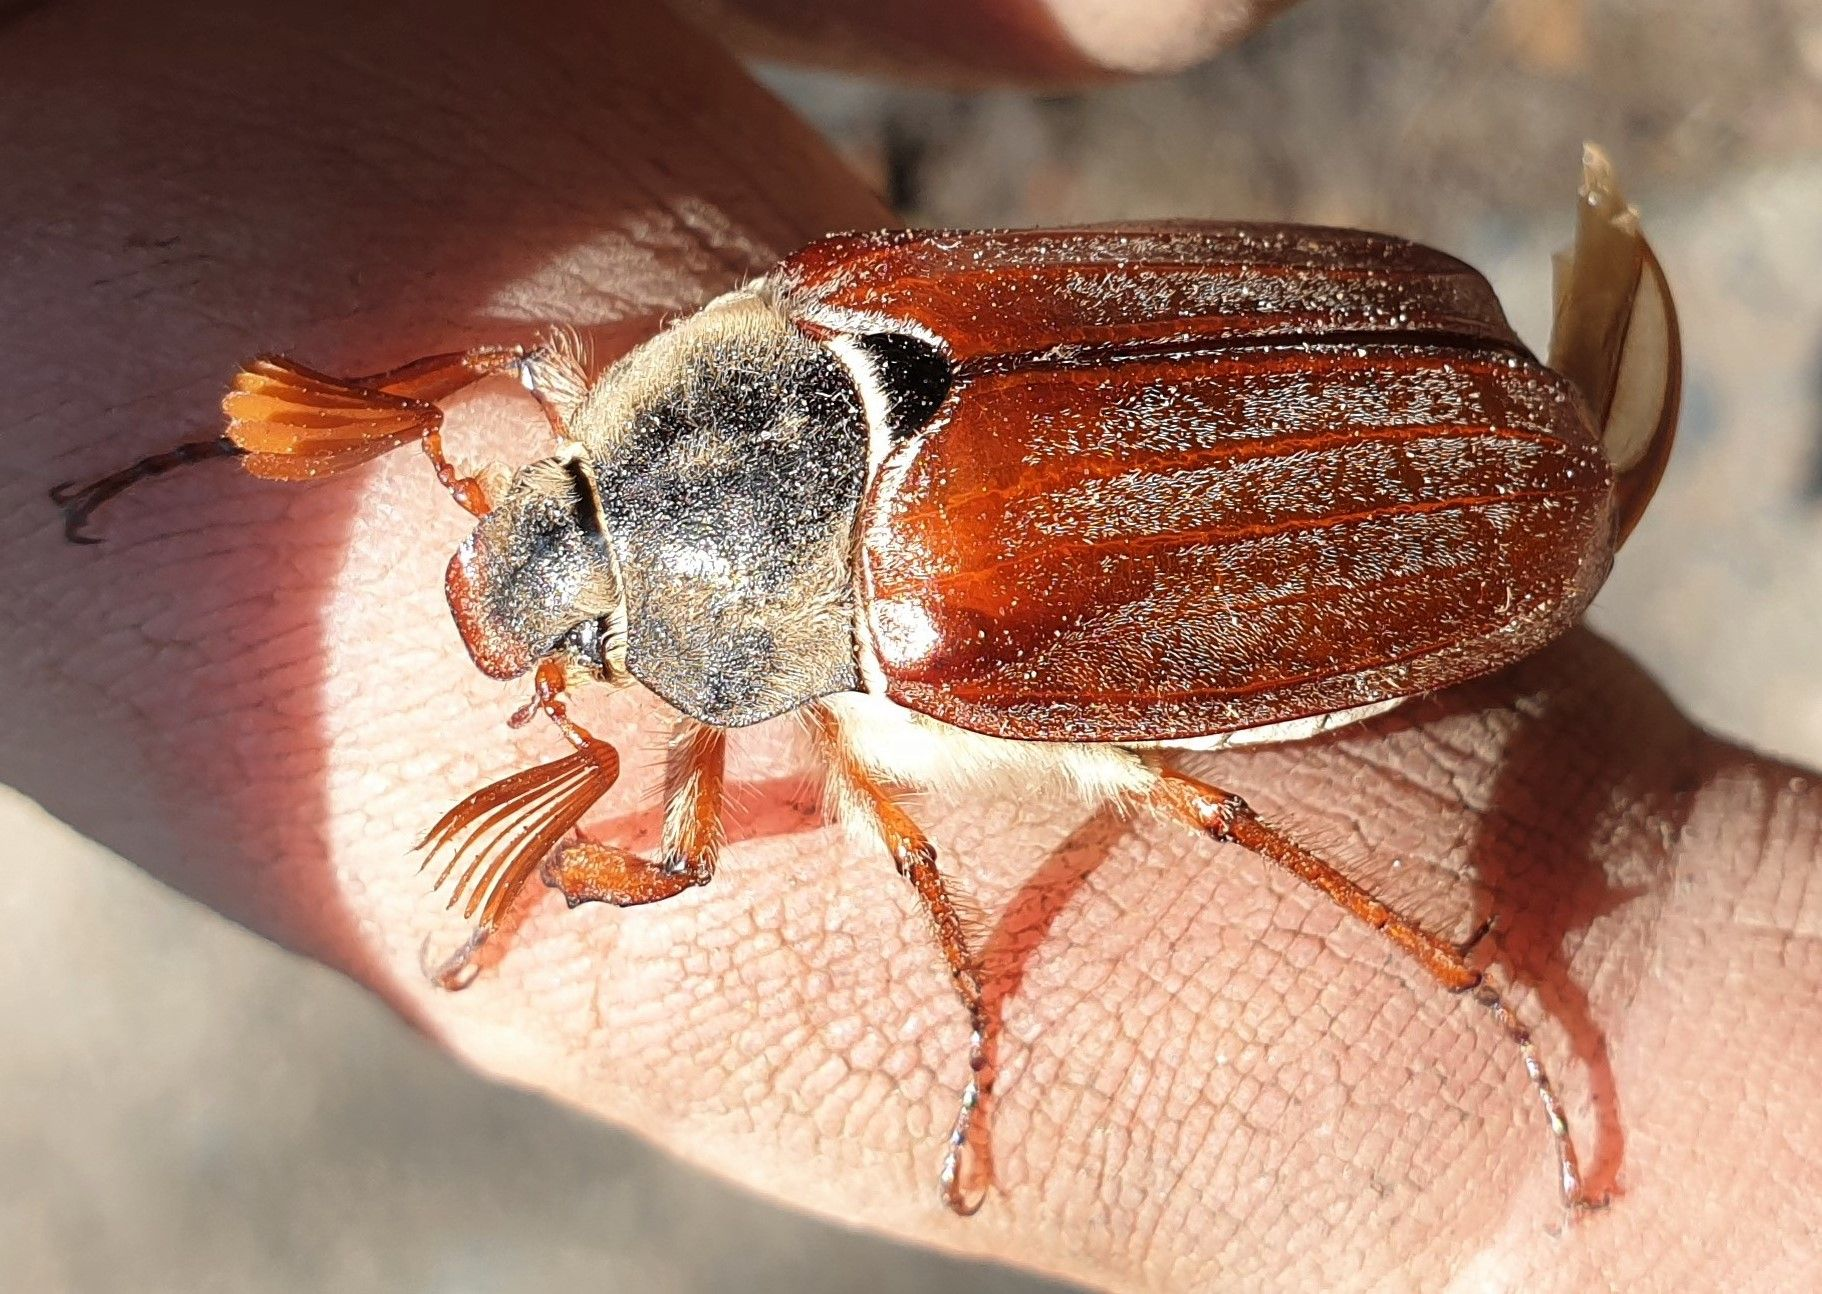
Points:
(586, 643)
(587, 506)
(534, 570)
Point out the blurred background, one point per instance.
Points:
(191, 1109)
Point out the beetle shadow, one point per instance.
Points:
(1595, 780)
(1023, 927)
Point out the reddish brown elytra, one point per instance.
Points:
(1033, 506)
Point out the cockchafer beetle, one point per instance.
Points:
(1031, 504)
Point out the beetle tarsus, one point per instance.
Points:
(1569, 1171)
(1225, 816)
(956, 1154)
(79, 502)
(966, 1155)
(460, 968)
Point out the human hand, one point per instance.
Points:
(1206, 1075)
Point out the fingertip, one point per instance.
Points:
(986, 41)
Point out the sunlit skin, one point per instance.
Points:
(1174, 1108)
(1247, 563)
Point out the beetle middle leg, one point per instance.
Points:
(911, 850)
(1224, 816)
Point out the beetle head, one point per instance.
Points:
(536, 576)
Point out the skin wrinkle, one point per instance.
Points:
(1459, 785)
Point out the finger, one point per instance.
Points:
(1046, 41)
(483, 201)
(262, 699)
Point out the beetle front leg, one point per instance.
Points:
(591, 872)
(1224, 816)
(862, 797)
(290, 423)
(506, 832)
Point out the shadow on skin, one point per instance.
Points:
(1563, 845)
(1536, 856)
(354, 216)
(1021, 931)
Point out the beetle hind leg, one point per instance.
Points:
(1224, 816)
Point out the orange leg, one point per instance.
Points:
(1222, 815)
(915, 857)
(505, 832)
(290, 423)
(589, 872)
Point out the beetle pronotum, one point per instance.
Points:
(1036, 505)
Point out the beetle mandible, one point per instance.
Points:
(1033, 504)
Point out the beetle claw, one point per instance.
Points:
(460, 968)
(958, 1157)
(1467, 946)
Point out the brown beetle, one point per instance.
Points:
(1029, 506)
